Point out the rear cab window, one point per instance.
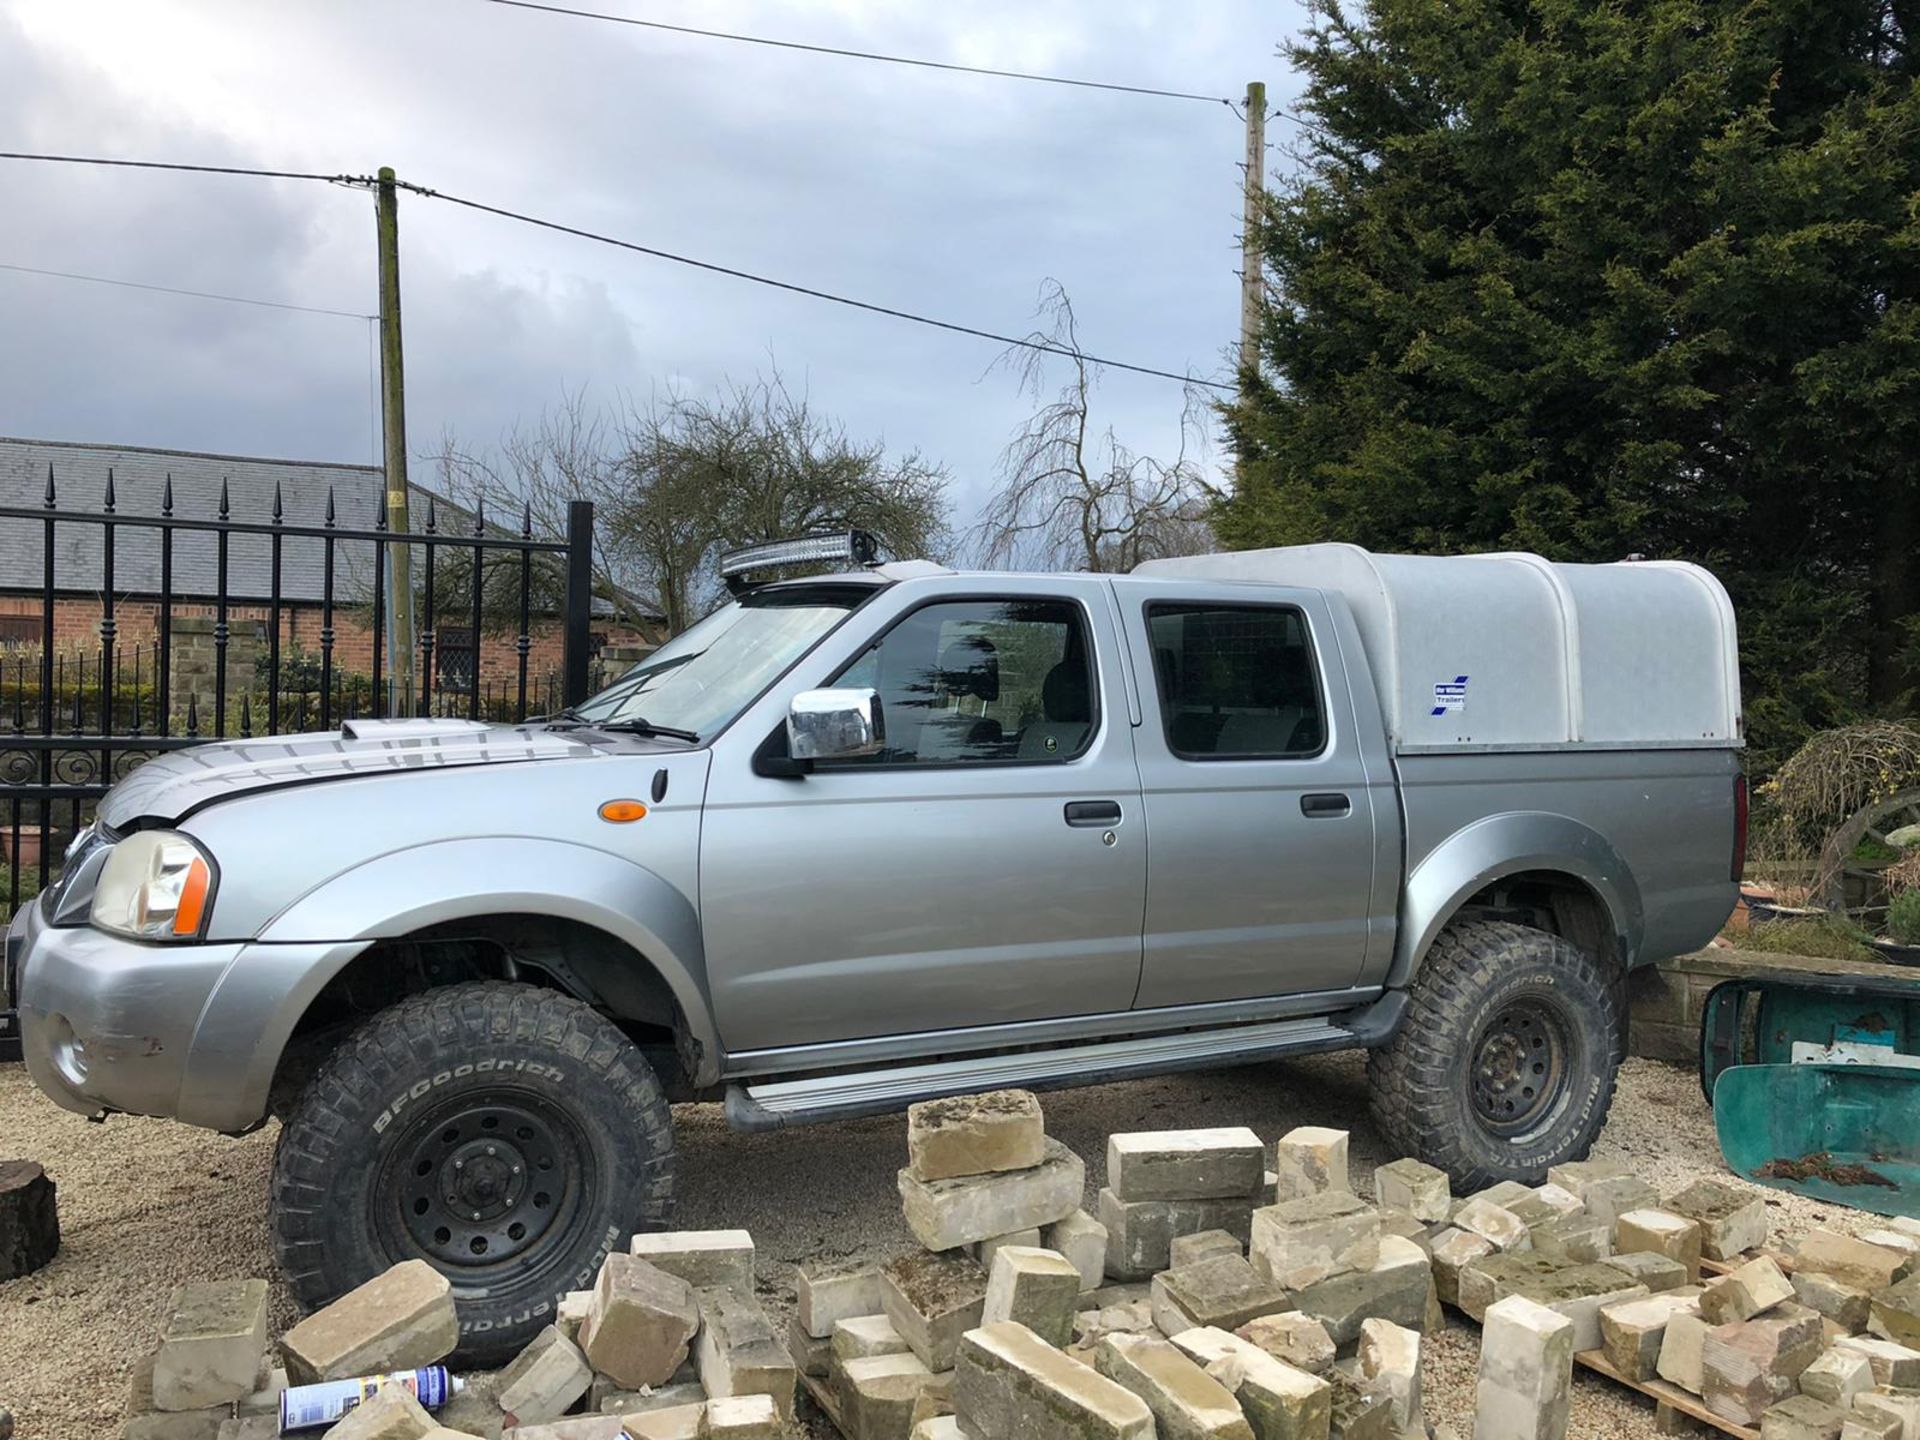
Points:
(1236, 682)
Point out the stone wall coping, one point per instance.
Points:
(1731, 961)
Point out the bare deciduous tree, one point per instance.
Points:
(678, 480)
(1072, 498)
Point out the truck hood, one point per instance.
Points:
(172, 785)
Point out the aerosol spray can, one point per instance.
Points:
(308, 1407)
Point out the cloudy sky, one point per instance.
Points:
(946, 194)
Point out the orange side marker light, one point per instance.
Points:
(622, 812)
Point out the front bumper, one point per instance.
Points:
(106, 1023)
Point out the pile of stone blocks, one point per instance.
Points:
(669, 1344)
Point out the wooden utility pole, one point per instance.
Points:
(1250, 269)
(393, 411)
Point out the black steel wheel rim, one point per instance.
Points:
(1521, 1064)
(485, 1184)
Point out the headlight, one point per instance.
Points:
(156, 885)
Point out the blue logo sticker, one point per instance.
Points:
(1450, 696)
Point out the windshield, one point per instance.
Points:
(699, 680)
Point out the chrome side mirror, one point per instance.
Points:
(835, 725)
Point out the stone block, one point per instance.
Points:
(1225, 1292)
(1682, 1352)
(392, 1414)
(1749, 1366)
(1360, 1412)
(1559, 1199)
(1576, 1239)
(877, 1395)
(935, 1399)
(1733, 1219)
(1894, 1365)
(475, 1410)
(1861, 1425)
(1416, 1187)
(1280, 1401)
(984, 1252)
(1394, 1221)
(639, 1402)
(1293, 1337)
(1185, 1164)
(1298, 1242)
(1579, 1292)
(702, 1258)
(947, 1213)
(862, 1337)
(1140, 1233)
(1038, 1288)
(1009, 1382)
(1742, 1294)
(1186, 1402)
(1397, 1288)
(744, 1417)
(1452, 1251)
(938, 1427)
(1659, 1232)
(544, 1381)
(966, 1135)
(1574, 1176)
(1801, 1417)
(1632, 1331)
(1083, 1240)
(1613, 1197)
(570, 1313)
(811, 1355)
(1208, 1244)
(1906, 1242)
(1495, 1224)
(677, 1422)
(401, 1319)
(640, 1322)
(1895, 1312)
(211, 1344)
(1836, 1377)
(1309, 1160)
(828, 1294)
(1389, 1358)
(1861, 1264)
(738, 1352)
(932, 1301)
(1526, 1372)
(1883, 1405)
(1090, 1327)
(1530, 1210)
(1656, 1272)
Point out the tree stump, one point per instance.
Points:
(29, 1219)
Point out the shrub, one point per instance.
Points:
(1903, 917)
(1826, 937)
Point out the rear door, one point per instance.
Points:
(987, 867)
(1260, 818)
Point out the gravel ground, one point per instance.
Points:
(147, 1204)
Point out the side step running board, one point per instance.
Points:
(775, 1104)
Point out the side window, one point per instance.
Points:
(981, 682)
(1236, 681)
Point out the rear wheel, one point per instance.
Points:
(1506, 1060)
(508, 1136)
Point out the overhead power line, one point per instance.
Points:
(195, 294)
(1023, 342)
(1027, 342)
(867, 54)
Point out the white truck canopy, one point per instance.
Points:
(1513, 651)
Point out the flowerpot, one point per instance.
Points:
(1762, 911)
(22, 849)
(1897, 954)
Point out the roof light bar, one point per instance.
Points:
(848, 547)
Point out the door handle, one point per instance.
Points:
(1093, 812)
(1325, 807)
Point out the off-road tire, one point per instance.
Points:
(358, 1174)
(1431, 1095)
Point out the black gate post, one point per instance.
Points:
(579, 612)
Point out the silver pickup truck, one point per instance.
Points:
(894, 833)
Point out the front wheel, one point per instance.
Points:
(507, 1135)
(1506, 1058)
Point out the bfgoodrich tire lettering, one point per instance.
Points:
(1506, 1060)
(510, 1136)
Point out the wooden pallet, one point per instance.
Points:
(1668, 1397)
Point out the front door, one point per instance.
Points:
(1257, 798)
(987, 867)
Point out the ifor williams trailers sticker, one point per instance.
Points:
(1450, 695)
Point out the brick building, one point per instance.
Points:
(140, 480)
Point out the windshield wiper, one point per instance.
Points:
(643, 727)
